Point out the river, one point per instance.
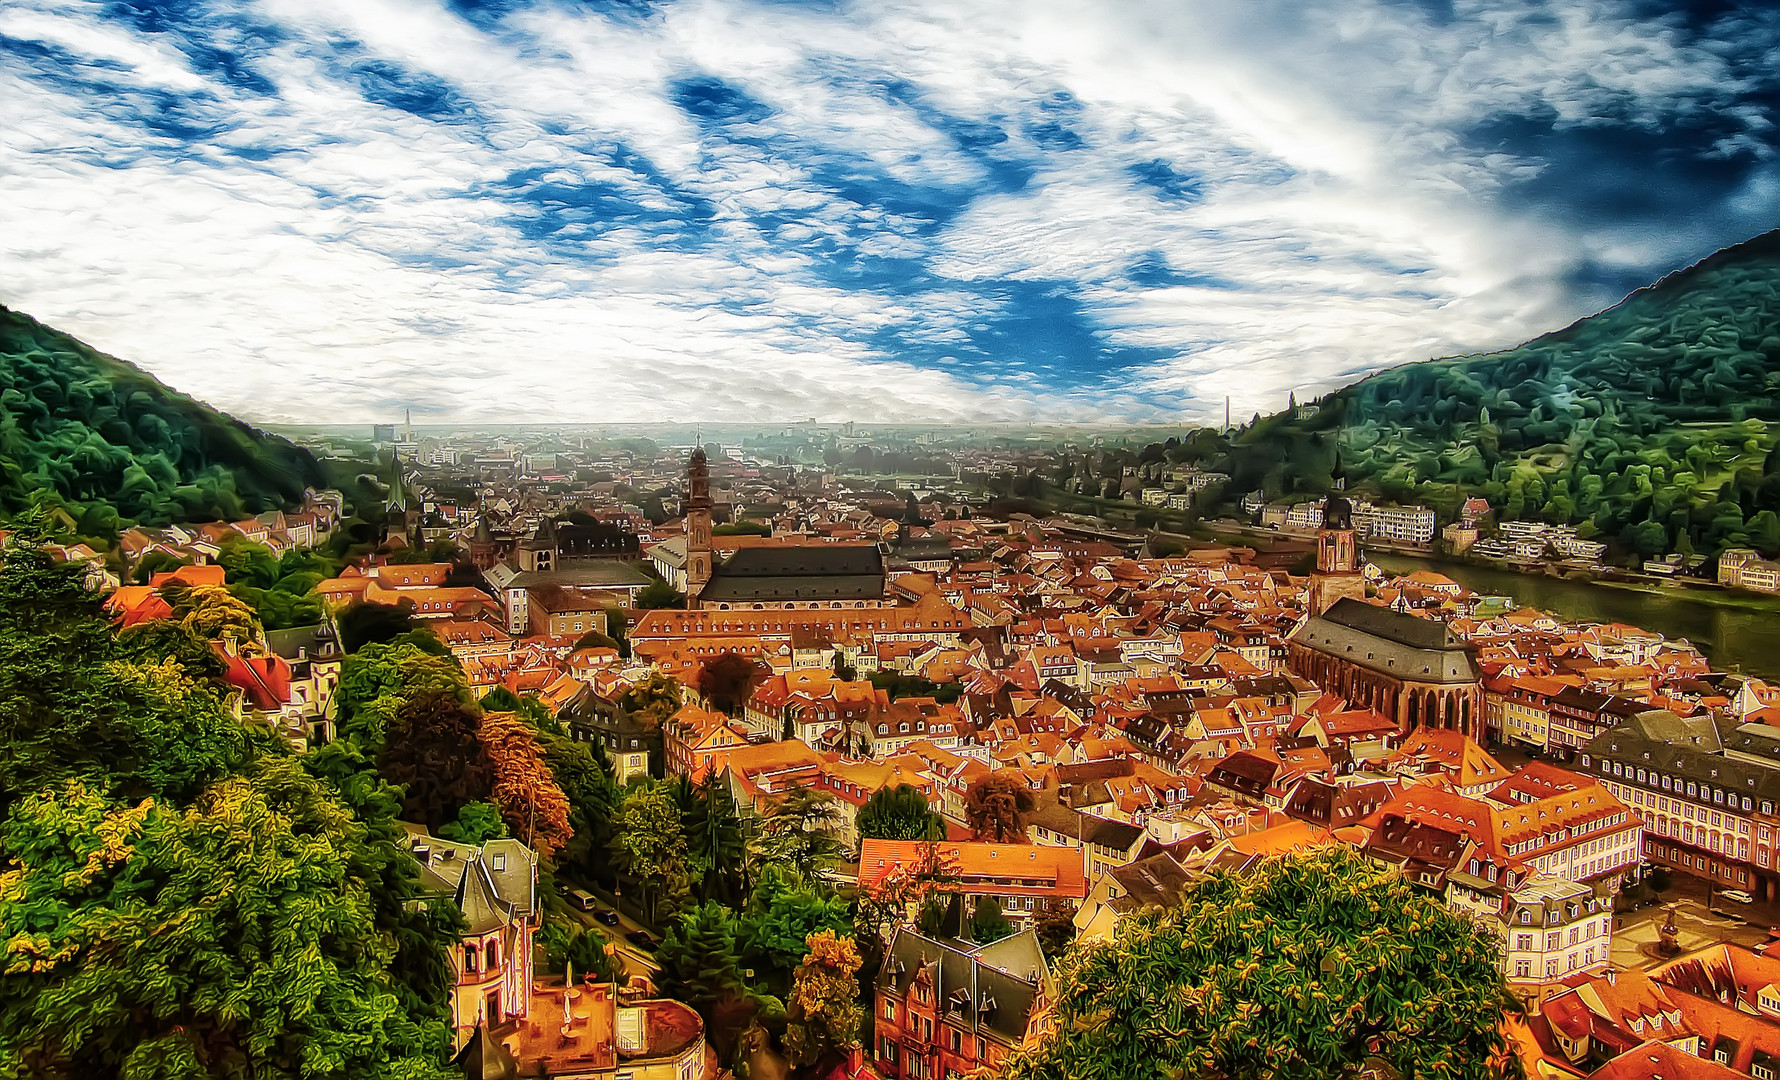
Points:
(1744, 638)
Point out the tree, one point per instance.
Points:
(782, 913)
(825, 1014)
(214, 613)
(649, 842)
(587, 955)
(803, 830)
(698, 958)
(126, 718)
(899, 813)
(717, 842)
(363, 623)
(1304, 967)
(652, 701)
(726, 680)
(476, 823)
(433, 750)
(987, 923)
(531, 801)
(996, 807)
(657, 595)
(379, 678)
(238, 936)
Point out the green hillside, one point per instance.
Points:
(113, 445)
(1649, 422)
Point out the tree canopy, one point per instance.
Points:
(996, 806)
(1306, 967)
(899, 813)
(238, 936)
(115, 446)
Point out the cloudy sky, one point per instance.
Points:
(926, 210)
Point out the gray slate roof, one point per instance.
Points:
(1385, 641)
(814, 572)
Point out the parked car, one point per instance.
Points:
(610, 918)
(641, 939)
(1737, 895)
(582, 899)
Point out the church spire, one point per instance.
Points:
(698, 526)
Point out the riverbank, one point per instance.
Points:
(1737, 632)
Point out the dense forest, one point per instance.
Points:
(115, 446)
(1651, 424)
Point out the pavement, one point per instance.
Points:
(1635, 933)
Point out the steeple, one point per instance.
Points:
(698, 526)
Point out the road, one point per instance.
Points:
(636, 961)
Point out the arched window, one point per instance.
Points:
(470, 958)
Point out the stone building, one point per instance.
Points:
(1414, 670)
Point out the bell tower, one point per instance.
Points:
(1337, 572)
(698, 526)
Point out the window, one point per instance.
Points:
(499, 861)
(889, 1009)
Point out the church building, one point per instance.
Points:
(1415, 671)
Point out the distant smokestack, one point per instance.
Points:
(1226, 412)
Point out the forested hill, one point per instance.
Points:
(1652, 420)
(112, 444)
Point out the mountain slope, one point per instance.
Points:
(112, 444)
(1647, 422)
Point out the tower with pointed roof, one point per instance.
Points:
(698, 526)
(542, 551)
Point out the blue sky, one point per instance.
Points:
(331, 210)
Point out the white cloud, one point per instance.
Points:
(319, 255)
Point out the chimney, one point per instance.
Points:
(856, 1059)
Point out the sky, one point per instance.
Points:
(942, 211)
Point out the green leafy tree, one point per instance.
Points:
(652, 701)
(476, 823)
(379, 678)
(717, 842)
(825, 1015)
(1308, 966)
(899, 813)
(987, 923)
(802, 830)
(127, 719)
(233, 937)
(649, 842)
(363, 623)
(700, 965)
(783, 911)
(657, 595)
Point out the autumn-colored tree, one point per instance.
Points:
(214, 613)
(726, 680)
(824, 1012)
(531, 801)
(929, 878)
(996, 806)
(236, 937)
(1309, 966)
(433, 750)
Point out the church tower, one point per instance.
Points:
(1337, 572)
(698, 526)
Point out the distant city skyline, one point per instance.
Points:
(909, 212)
